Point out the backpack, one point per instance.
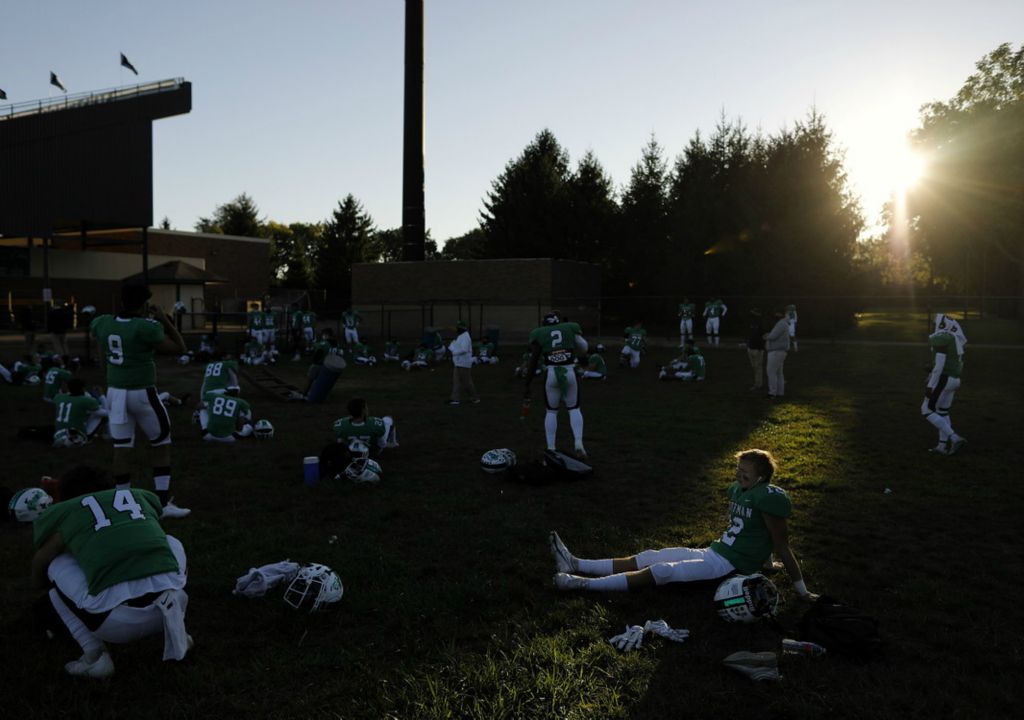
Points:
(841, 629)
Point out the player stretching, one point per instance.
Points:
(947, 345)
(714, 311)
(558, 343)
(686, 312)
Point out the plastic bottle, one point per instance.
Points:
(801, 647)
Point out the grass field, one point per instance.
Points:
(449, 610)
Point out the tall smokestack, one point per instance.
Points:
(413, 212)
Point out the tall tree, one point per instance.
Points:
(525, 212)
(592, 212)
(970, 204)
(642, 240)
(346, 239)
(292, 249)
(388, 246)
(237, 217)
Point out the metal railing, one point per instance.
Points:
(83, 99)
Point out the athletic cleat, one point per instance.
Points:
(942, 448)
(565, 581)
(957, 446)
(173, 511)
(101, 666)
(756, 666)
(564, 561)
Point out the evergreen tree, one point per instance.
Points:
(593, 212)
(642, 240)
(346, 239)
(239, 217)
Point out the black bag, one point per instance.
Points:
(564, 467)
(841, 629)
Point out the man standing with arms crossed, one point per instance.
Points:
(129, 341)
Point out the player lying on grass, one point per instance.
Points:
(757, 528)
(688, 366)
(23, 372)
(422, 357)
(110, 572)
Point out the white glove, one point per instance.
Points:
(632, 639)
(660, 627)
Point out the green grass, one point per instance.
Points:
(448, 609)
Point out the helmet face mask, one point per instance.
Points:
(313, 587)
(746, 598)
(497, 461)
(28, 504)
(552, 318)
(364, 470)
(263, 430)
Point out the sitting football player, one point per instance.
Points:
(56, 379)
(438, 346)
(207, 348)
(362, 355)
(79, 416)
(24, 372)
(688, 366)
(596, 368)
(325, 346)
(109, 571)
(485, 354)
(391, 351)
(225, 418)
(758, 527)
(378, 433)
(421, 358)
(255, 353)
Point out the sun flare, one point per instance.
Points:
(906, 169)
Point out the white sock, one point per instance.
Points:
(617, 582)
(941, 422)
(90, 644)
(594, 567)
(550, 428)
(576, 422)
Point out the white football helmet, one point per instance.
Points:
(496, 461)
(364, 470)
(746, 598)
(28, 504)
(263, 430)
(314, 587)
(32, 380)
(184, 359)
(69, 437)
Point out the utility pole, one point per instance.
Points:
(413, 212)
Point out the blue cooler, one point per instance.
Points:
(325, 379)
(311, 470)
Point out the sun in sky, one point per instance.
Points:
(906, 168)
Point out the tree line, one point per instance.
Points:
(738, 212)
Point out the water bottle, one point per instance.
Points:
(311, 470)
(801, 647)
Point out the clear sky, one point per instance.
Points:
(300, 103)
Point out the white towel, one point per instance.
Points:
(257, 581)
(172, 604)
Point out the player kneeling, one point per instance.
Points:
(221, 416)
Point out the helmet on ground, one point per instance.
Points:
(746, 598)
(69, 437)
(364, 470)
(313, 587)
(263, 429)
(496, 461)
(28, 504)
(553, 318)
(184, 359)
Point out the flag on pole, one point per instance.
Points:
(54, 80)
(3, 95)
(127, 64)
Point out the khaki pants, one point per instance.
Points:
(776, 381)
(757, 364)
(462, 384)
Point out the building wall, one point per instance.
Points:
(98, 264)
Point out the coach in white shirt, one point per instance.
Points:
(461, 349)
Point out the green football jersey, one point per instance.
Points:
(747, 542)
(309, 319)
(129, 344)
(687, 310)
(51, 383)
(695, 364)
(254, 348)
(714, 308)
(73, 411)
(269, 319)
(557, 342)
(370, 429)
(350, 318)
(297, 320)
(423, 355)
(224, 412)
(361, 350)
(944, 342)
(115, 535)
(255, 319)
(323, 348)
(596, 363)
(636, 338)
(219, 375)
(486, 349)
(391, 348)
(791, 312)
